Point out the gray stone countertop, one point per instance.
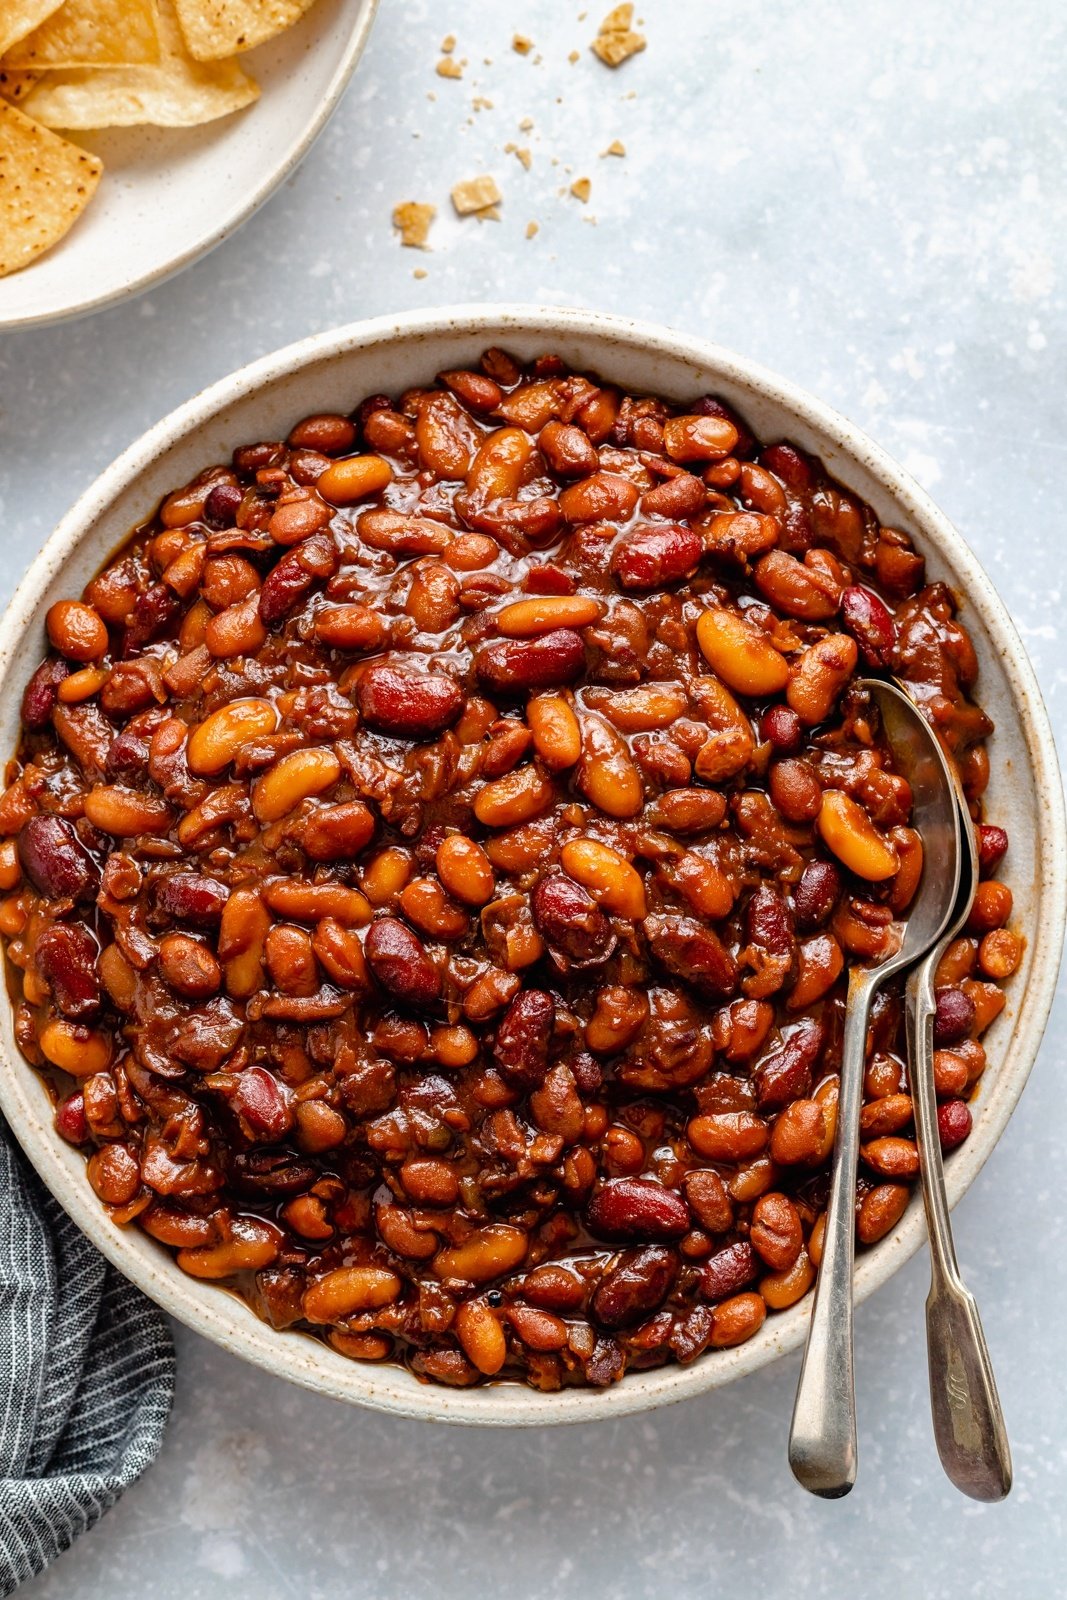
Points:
(871, 199)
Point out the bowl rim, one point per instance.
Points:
(308, 1362)
(271, 180)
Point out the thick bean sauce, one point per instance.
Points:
(434, 857)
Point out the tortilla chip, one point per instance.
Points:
(217, 28)
(45, 185)
(91, 33)
(179, 93)
(20, 17)
(15, 86)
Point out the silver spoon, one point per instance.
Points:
(822, 1436)
(969, 1430)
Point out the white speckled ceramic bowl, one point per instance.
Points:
(333, 371)
(169, 195)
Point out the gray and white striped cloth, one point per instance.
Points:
(86, 1377)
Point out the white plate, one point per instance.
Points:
(333, 372)
(168, 195)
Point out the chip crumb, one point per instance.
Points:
(480, 103)
(526, 124)
(521, 44)
(521, 152)
(615, 148)
(581, 189)
(447, 68)
(419, 272)
(475, 195)
(616, 40)
(448, 44)
(531, 229)
(412, 222)
(574, 56)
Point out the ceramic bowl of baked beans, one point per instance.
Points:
(442, 811)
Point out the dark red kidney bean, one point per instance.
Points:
(514, 665)
(768, 921)
(786, 1073)
(71, 1122)
(66, 955)
(400, 963)
(523, 1038)
(127, 755)
(816, 894)
(689, 950)
(40, 694)
(781, 727)
(571, 921)
(587, 1072)
(870, 623)
(953, 1123)
(408, 705)
(728, 1271)
(295, 575)
(190, 898)
(634, 1287)
(954, 1016)
(222, 505)
(630, 1208)
(992, 847)
(367, 408)
(153, 611)
(708, 406)
(787, 463)
(260, 1099)
(55, 860)
(652, 556)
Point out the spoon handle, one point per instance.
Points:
(822, 1437)
(968, 1422)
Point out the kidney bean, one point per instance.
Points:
(635, 1287)
(953, 1123)
(66, 955)
(544, 662)
(709, 1201)
(786, 1073)
(40, 694)
(868, 621)
(55, 860)
(728, 1271)
(650, 557)
(408, 705)
(776, 1234)
(262, 1103)
(992, 846)
(70, 1119)
(571, 921)
(629, 1208)
(523, 1038)
(768, 921)
(188, 897)
(954, 1016)
(222, 505)
(400, 964)
(816, 894)
(295, 575)
(782, 728)
(567, 450)
(795, 790)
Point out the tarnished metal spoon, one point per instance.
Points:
(969, 1430)
(822, 1437)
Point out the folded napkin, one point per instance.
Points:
(86, 1377)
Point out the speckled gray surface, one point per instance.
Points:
(872, 200)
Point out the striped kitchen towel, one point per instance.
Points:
(86, 1377)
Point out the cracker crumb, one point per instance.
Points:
(448, 44)
(412, 221)
(475, 195)
(480, 103)
(526, 124)
(616, 40)
(523, 155)
(581, 189)
(521, 44)
(531, 229)
(419, 272)
(447, 68)
(615, 148)
(573, 57)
